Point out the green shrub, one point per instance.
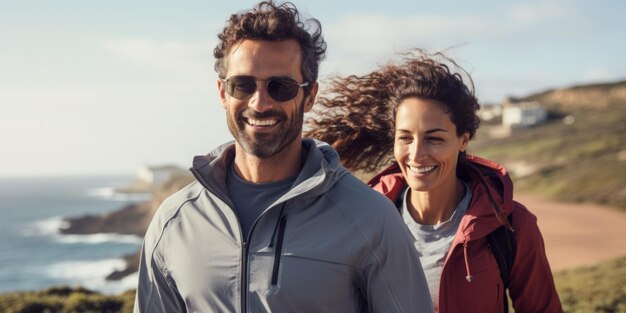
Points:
(63, 299)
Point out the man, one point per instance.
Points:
(274, 223)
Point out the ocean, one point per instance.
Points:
(33, 255)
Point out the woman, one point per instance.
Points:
(423, 112)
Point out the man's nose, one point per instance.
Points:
(261, 100)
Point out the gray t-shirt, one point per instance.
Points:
(250, 200)
(434, 241)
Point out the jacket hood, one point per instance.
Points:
(320, 171)
(480, 218)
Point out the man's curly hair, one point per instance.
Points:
(273, 22)
(357, 115)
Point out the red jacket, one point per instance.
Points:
(531, 284)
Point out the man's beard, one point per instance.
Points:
(266, 145)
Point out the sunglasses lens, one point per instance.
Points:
(241, 87)
(279, 88)
(282, 88)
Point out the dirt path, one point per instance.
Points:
(578, 234)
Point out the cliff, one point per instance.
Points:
(130, 220)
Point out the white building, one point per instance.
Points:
(489, 112)
(523, 114)
(155, 175)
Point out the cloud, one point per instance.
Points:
(539, 12)
(477, 39)
(598, 73)
(377, 33)
(169, 56)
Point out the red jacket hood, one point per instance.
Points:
(467, 256)
(480, 219)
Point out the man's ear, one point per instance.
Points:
(221, 89)
(310, 100)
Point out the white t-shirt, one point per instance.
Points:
(434, 241)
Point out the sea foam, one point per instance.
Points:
(46, 227)
(92, 274)
(109, 193)
(98, 238)
(50, 228)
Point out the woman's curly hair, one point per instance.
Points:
(357, 116)
(273, 22)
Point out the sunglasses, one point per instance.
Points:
(279, 88)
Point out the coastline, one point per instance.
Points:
(568, 229)
(130, 220)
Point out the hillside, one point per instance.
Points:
(581, 161)
(592, 96)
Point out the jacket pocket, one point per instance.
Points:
(482, 295)
(302, 282)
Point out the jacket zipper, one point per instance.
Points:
(245, 247)
(244, 250)
(244, 277)
(282, 220)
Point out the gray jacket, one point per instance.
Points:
(330, 244)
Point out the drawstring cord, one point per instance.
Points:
(271, 244)
(280, 230)
(278, 250)
(467, 267)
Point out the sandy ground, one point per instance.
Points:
(578, 234)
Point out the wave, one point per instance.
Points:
(98, 238)
(46, 227)
(92, 274)
(110, 193)
(103, 192)
(50, 228)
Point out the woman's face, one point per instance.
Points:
(426, 145)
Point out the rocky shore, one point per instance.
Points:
(132, 219)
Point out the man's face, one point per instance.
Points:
(262, 126)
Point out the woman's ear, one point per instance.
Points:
(465, 138)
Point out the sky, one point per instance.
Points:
(104, 87)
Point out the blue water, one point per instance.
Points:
(33, 255)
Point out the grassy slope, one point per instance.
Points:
(582, 162)
(596, 289)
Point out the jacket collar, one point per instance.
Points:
(320, 171)
(479, 219)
